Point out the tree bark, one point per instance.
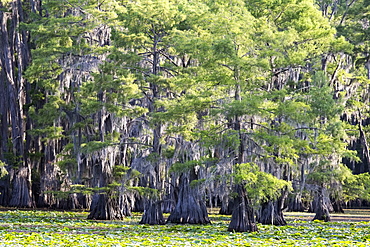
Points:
(295, 203)
(153, 214)
(105, 206)
(169, 201)
(227, 206)
(125, 204)
(364, 144)
(271, 214)
(4, 95)
(337, 206)
(5, 193)
(321, 210)
(242, 219)
(21, 193)
(15, 57)
(189, 208)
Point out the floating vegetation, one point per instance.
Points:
(54, 228)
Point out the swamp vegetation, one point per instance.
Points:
(56, 228)
(175, 106)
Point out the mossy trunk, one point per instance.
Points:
(125, 204)
(105, 203)
(189, 207)
(227, 206)
(322, 192)
(168, 204)
(21, 193)
(271, 214)
(321, 210)
(14, 59)
(153, 214)
(242, 219)
(295, 203)
(337, 206)
(105, 206)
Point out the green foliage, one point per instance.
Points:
(124, 173)
(67, 164)
(146, 192)
(153, 157)
(94, 146)
(209, 137)
(4, 2)
(324, 173)
(197, 182)
(79, 188)
(48, 133)
(74, 188)
(260, 186)
(112, 187)
(181, 167)
(356, 186)
(3, 171)
(292, 31)
(120, 170)
(321, 99)
(169, 152)
(185, 166)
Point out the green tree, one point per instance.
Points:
(70, 39)
(148, 46)
(255, 67)
(348, 67)
(328, 144)
(253, 188)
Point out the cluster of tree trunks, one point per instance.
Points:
(153, 214)
(14, 96)
(105, 206)
(271, 213)
(190, 208)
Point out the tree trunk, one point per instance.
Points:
(4, 192)
(105, 206)
(189, 208)
(321, 210)
(21, 194)
(315, 202)
(153, 214)
(14, 58)
(242, 219)
(295, 203)
(271, 214)
(337, 206)
(125, 204)
(48, 182)
(4, 96)
(227, 206)
(365, 146)
(169, 201)
(367, 66)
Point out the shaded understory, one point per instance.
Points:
(51, 228)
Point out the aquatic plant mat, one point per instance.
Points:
(55, 228)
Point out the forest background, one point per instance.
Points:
(176, 105)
